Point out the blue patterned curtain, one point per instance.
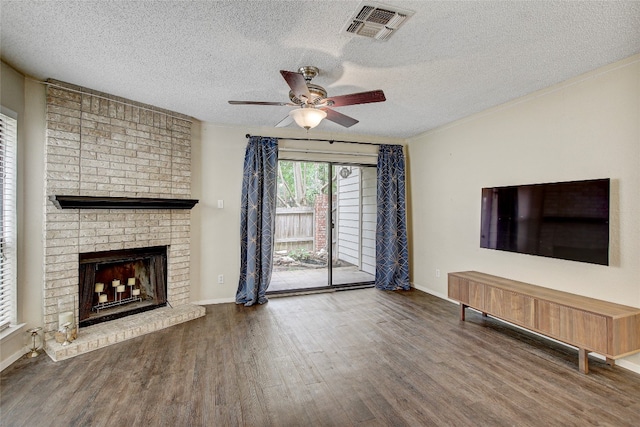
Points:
(392, 252)
(257, 219)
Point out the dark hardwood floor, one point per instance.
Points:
(361, 357)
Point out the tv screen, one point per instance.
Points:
(566, 220)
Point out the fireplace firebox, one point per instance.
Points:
(115, 284)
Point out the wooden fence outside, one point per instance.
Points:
(294, 229)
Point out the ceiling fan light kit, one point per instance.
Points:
(313, 101)
(307, 117)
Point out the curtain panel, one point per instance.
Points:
(392, 252)
(257, 219)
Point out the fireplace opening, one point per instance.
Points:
(115, 284)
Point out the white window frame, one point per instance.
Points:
(8, 218)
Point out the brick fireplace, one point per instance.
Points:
(108, 148)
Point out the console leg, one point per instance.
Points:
(583, 360)
(462, 307)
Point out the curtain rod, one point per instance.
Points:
(294, 150)
(330, 141)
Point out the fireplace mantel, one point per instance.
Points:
(89, 202)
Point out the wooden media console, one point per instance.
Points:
(591, 325)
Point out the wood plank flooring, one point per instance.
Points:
(361, 357)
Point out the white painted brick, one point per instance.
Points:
(60, 250)
(61, 234)
(109, 247)
(152, 156)
(180, 192)
(137, 133)
(162, 151)
(123, 138)
(62, 225)
(62, 176)
(87, 170)
(55, 259)
(114, 173)
(89, 117)
(114, 160)
(88, 186)
(112, 215)
(92, 240)
(160, 164)
(138, 189)
(68, 188)
(126, 167)
(109, 231)
(137, 147)
(122, 238)
(95, 148)
(111, 189)
(54, 111)
(96, 178)
(86, 233)
(153, 183)
(61, 284)
(137, 175)
(98, 164)
(62, 147)
(52, 242)
(111, 143)
(93, 224)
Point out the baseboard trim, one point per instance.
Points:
(625, 364)
(634, 367)
(214, 301)
(13, 358)
(431, 292)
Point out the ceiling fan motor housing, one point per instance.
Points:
(318, 93)
(309, 72)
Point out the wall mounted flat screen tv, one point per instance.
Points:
(566, 220)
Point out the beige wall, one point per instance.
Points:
(27, 98)
(588, 127)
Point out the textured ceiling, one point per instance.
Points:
(450, 60)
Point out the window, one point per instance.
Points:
(8, 238)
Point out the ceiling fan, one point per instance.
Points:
(313, 101)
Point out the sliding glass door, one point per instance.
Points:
(325, 212)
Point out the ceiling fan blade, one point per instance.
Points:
(285, 122)
(339, 118)
(261, 103)
(357, 98)
(297, 83)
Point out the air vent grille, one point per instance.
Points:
(376, 21)
(364, 12)
(380, 16)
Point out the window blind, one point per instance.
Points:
(8, 232)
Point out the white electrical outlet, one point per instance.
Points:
(220, 204)
(437, 272)
(221, 278)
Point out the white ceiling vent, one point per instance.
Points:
(376, 21)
